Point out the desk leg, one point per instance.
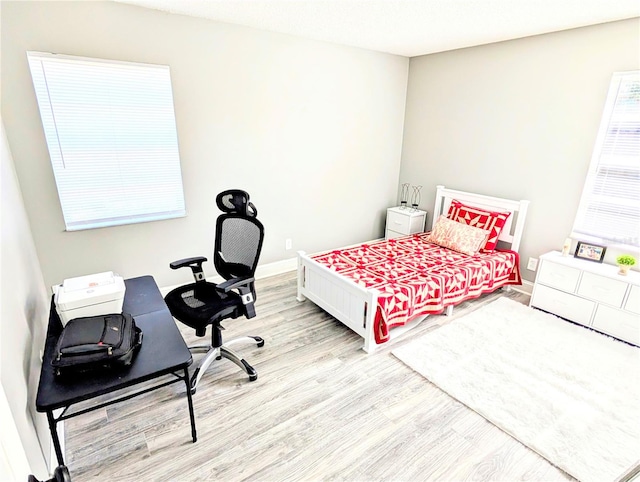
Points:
(54, 436)
(187, 382)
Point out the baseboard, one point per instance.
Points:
(263, 271)
(277, 267)
(526, 287)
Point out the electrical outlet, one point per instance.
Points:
(288, 243)
(532, 265)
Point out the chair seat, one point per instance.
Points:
(200, 304)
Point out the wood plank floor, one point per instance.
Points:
(321, 409)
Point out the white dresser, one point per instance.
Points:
(403, 221)
(589, 293)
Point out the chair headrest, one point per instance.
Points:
(236, 201)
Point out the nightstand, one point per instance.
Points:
(404, 221)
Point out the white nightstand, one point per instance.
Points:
(403, 221)
(589, 293)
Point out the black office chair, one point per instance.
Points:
(238, 242)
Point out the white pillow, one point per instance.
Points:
(458, 236)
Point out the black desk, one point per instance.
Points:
(163, 354)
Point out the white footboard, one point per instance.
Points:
(341, 297)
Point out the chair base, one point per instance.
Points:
(217, 353)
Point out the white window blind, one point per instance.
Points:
(609, 209)
(111, 133)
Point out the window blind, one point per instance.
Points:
(609, 209)
(111, 134)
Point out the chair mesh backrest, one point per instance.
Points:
(239, 236)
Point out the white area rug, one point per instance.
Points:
(568, 393)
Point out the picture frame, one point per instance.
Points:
(590, 252)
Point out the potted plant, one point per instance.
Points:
(625, 261)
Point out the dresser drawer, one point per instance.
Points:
(563, 304)
(633, 301)
(604, 290)
(618, 323)
(558, 276)
(400, 223)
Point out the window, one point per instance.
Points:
(111, 133)
(609, 209)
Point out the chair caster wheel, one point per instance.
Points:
(259, 341)
(253, 374)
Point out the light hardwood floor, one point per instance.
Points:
(321, 409)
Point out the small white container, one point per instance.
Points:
(95, 294)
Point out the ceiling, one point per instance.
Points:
(405, 27)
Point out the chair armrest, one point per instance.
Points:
(194, 263)
(245, 286)
(235, 283)
(181, 263)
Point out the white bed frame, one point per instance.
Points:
(355, 306)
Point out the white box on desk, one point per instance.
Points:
(94, 294)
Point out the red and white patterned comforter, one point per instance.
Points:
(414, 277)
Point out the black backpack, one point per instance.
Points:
(96, 343)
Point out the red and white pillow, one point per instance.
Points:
(492, 221)
(459, 237)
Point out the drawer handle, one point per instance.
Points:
(397, 222)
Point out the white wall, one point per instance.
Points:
(314, 131)
(13, 459)
(311, 130)
(516, 119)
(24, 308)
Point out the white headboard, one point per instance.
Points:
(512, 231)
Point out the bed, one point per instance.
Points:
(383, 288)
